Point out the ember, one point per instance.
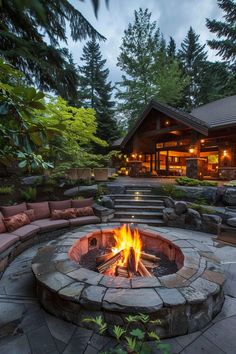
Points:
(126, 258)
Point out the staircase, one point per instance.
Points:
(138, 206)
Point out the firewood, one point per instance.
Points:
(149, 257)
(104, 257)
(131, 262)
(143, 270)
(122, 272)
(103, 267)
(149, 264)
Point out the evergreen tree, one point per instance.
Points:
(225, 31)
(140, 43)
(25, 30)
(171, 49)
(95, 91)
(192, 56)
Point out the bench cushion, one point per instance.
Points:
(13, 209)
(26, 231)
(84, 220)
(48, 224)
(41, 210)
(59, 205)
(82, 203)
(7, 240)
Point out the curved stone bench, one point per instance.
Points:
(12, 244)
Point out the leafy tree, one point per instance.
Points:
(96, 91)
(225, 31)
(192, 56)
(140, 43)
(30, 37)
(21, 133)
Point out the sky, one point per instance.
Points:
(174, 17)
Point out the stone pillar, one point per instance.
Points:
(195, 167)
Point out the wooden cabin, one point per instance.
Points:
(166, 141)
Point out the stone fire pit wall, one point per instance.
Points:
(184, 301)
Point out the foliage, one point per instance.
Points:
(140, 44)
(6, 190)
(225, 31)
(113, 177)
(172, 191)
(200, 208)
(186, 181)
(131, 338)
(192, 56)
(29, 194)
(96, 91)
(31, 34)
(230, 183)
(22, 133)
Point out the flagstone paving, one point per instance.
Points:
(25, 328)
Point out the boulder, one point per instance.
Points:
(88, 191)
(193, 219)
(211, 223)
(231, 222)
(169, 202)
(116, 188)
(106, 202)
(180, 208)
(32, 180)
(172, 219)
(71, 192)
(229, 197)
(210, 194)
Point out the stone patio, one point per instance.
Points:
(26, 328)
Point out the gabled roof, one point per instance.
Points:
(217, 114)
(181, 116)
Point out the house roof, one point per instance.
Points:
(181, 116)
(217, 114)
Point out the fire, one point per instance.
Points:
(127, 240)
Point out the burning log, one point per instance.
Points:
(149, 257)
(149, 264)
(104, 257)
(143, 270)
(122, 271)
(110, 262)
(131, 262)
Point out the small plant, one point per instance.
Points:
(113, 177)
(29, 194)
(131, 338)
(192, 182)
(172, 191)
(200, 208)
(6, 190)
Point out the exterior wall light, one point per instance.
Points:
(191, 150)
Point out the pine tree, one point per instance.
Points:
(95, 91)
(24, 28)
(225, 31)
(140, 43)
(171, 49)
(192, 56)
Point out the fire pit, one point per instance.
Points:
(115, 271)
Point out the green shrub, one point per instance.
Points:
(200, 208)
(191, 182)
(172, 191)
(230, 183)
(6, 190)
(132, 336)
(29, 194)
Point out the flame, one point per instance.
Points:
(125, 240)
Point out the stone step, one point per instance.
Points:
(139, 201)
(120, 207)
(156, 222)
(139, 215)
(134, 196)
(138, 191)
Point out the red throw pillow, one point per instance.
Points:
(82, 203)
(16, 221)
(86, 211)
(30, 213)
(63, 214)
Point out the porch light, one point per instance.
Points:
(133, 155)
(191, 150)
(202, 141)
(167, 122)
(225, 153)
